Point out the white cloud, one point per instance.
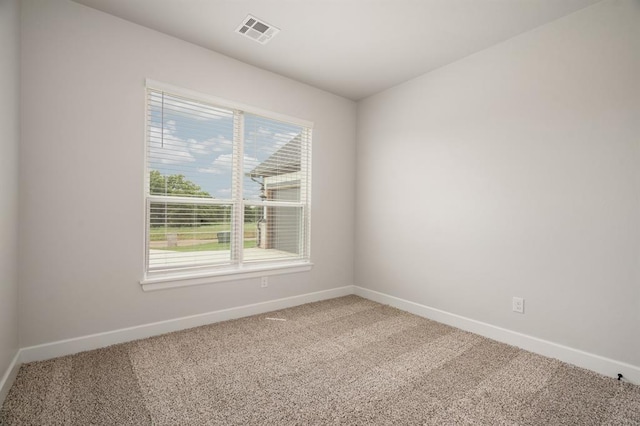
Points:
(216, 144)
(223, 164)
(250, 163)
(198, 147)
(283, 138)
(211, 170)
(166, 148)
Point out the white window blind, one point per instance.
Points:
(227, 190)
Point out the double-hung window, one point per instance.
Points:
(227, 188)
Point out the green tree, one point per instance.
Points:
(252, 213)
(180, 214)
(174, 185)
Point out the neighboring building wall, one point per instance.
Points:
(285, 187)
(82, 172)
(9, 140)
(284, 218)
(514, 172)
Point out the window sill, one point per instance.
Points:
(165, 281)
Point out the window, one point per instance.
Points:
(228, 188)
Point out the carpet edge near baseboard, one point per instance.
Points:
(9, 376)
(597, 363)
(600, 364)
(100, 340)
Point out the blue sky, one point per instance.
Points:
(196, 140)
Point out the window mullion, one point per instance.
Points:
(238, 207)
(305, 191)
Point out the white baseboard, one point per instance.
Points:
(100, 340)
(599, 364)
(9, 376)
(605, 366)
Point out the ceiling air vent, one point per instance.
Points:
(257, 30)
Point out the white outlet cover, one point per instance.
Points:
(518, 305)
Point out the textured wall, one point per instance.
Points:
(514, 172)
(82, 172)
(9, 137)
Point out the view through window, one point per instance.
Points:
(227, 189)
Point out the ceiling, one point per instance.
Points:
(353, 48)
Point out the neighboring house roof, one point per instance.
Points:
(284, 160)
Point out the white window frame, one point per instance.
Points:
(169, 279)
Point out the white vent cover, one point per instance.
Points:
(257, 29)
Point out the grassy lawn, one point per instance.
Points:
(205, 232)
(207, 246)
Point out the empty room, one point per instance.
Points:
(279, 212)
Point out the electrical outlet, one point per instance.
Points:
(518, 305)
(264, 282)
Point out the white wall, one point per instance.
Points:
(82, 172)
(9, 137)
(514, 172)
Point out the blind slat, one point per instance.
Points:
(214, 200)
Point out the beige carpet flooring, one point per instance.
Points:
(343, 361)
